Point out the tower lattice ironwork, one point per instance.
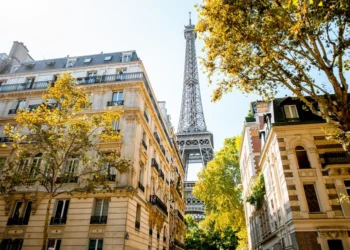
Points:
(196, 143)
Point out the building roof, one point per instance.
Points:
(59, 63)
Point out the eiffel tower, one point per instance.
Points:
(195, 141)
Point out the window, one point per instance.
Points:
(9, 244)
(108, 58)
(23, 165)
(30, 82)
(302, 159)
(95, 244)
(54, 244)
(347, 186)
(291, 112)
(115, 125)
(311, 198)
(141, 174)
(35, 165)
(87, 60)
(60, 212)
(335, 245)
(71, 63)
(100, 212)
(20, 104)
(138, 216)
(120, 74)
(71, 166)
(21, 213)
(92, 77)
(126, 58)
(117, 99)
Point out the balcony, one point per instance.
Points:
(17, 221)
(141, 187)
(58, 221)
(114, 103)
(98, 220)
(179, 244)
(13, 111)
(5, 139)
(137, 224)
(178, 214)
(341, 157)
(156, 137)
(161, 174)
(144, 144)
(110, 177)
(33, 107)
(146, 116)
(154, 164)
(67, 179)
(154, 200)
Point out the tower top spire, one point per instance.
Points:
(190, 17)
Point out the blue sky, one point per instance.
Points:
(153, 28)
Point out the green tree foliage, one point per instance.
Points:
(256, 198)
(217, 188)
(58, 131)
(211, 239)
(260, 46)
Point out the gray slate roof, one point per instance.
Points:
(60, 63)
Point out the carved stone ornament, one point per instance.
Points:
(333, 234)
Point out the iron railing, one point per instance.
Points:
(5, 139)
(113, 103)
(341, 157)
(137, 224)
(17, 221)
(98, 220)
(13, 111)
(154, 200)
(67, 179)
(141, 187)
(161, 174)
(58, 221)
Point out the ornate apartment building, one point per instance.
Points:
(145, 208)
(304, 175)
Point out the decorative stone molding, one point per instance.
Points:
(130, 118)
(333, 234)
(307, 173)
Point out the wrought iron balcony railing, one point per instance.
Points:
(98, 220)
(144, 144)
(341, 157)
(67, 179)
(137, 224)
(154, 200)
(154, 164)
(106, 177)
(156, 137)
(33, 107)
(114, 103)
(13, 111)
(58, 221)
(17, 221)
(5, 139)
(141, 187)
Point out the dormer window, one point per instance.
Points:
(291, 112)
(88, 60)
(50, 63)
(29, 65)
(126, 58)
(108, 58)
(71, 63)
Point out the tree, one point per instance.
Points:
(60, 136)
(217, 188)
(261, 46)
(198, 238)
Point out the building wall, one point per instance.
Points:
(124, 199)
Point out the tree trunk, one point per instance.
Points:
(46, 225)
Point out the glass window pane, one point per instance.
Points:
(105, 208)
(100, 244)
(59, 208)
(287, 112)
(98, 206)
(311, 198)
(92, 244)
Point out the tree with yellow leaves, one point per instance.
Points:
(217, 188)
(63, 141)
(264, 45)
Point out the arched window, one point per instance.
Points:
(301, 154)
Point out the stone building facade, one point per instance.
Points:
(145, 208)
(304, 176)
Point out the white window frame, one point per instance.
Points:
(105, 202)
(288, 110)
(119, 96)
(127, 57)
(70, 167)
(55, 244)
(96, 245)
(64, 207)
